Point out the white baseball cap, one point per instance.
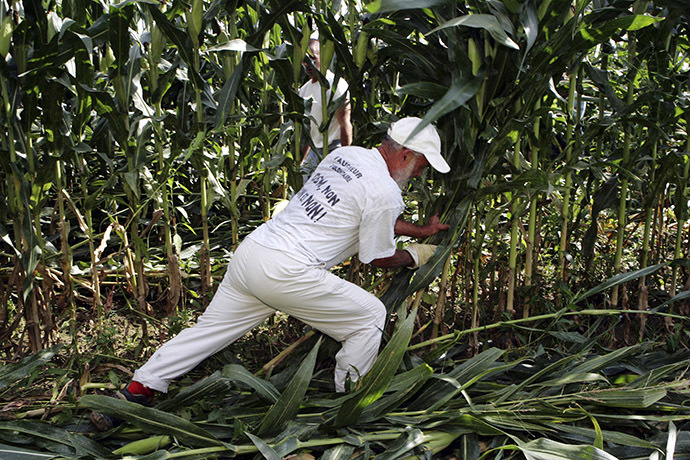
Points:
(427, 141)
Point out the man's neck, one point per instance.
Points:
(386, 154)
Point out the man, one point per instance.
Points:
(351, 204)
(340, 127)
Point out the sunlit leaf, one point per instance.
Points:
(481, 21)
(546, 449)
(384, 6)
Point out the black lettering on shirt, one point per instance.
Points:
(309, 202)
(346, 164)
(330, 195)
(342, 172)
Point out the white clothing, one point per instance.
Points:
(312, 90)
(256, 278)
(350, 203)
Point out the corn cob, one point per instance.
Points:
(5, 36)
(327, 52)
(361, 49)
(144, 446)
(194, 19)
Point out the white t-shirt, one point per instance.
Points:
(349, 205)
(312, 90)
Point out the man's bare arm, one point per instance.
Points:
(343, 117)
(401, 258)
(419, 231)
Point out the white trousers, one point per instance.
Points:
(258, 282)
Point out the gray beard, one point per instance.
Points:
(402, 184)
(402, 177)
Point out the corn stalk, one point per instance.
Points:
(682, 209)
(514, 236)
(627, 140)
(565, 208)
(530, 257)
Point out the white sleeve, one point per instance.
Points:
(377, 234)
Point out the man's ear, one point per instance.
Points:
(407, 154)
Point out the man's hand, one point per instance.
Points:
(420, 253)
(432, 227)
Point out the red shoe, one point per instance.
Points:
(136, 393)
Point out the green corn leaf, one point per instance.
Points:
(151, 420)
(511, 423)
(407, 441)
(630, 398)
(546, 449)
(530, 25)
(616, 280)
(214, 384)
(18, 453)
(403, 46)
(180, 38)
(385, 6)
(598, 34)
(426, 90)
(106, 107)
(469, 447)
(460, 92)
(118, 34)
(622, 439)
(601, 79)
(237, 44)
(657, 374)
(375, 382)
(573, 378)
(341, 452)
(535, 378)
(226, 97)
(12, 373)
(457, 378)
(600, 362)
(599, 436)
(52, 55)
(403, 387)
(263, 388)
(267, 451)
(682, 296)
(287, 406)
(474, 424)
(481, 21)
(55, 437)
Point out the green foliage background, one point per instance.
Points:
(142, 140)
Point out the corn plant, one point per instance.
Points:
(142, 141)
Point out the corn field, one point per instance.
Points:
(141, 141)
